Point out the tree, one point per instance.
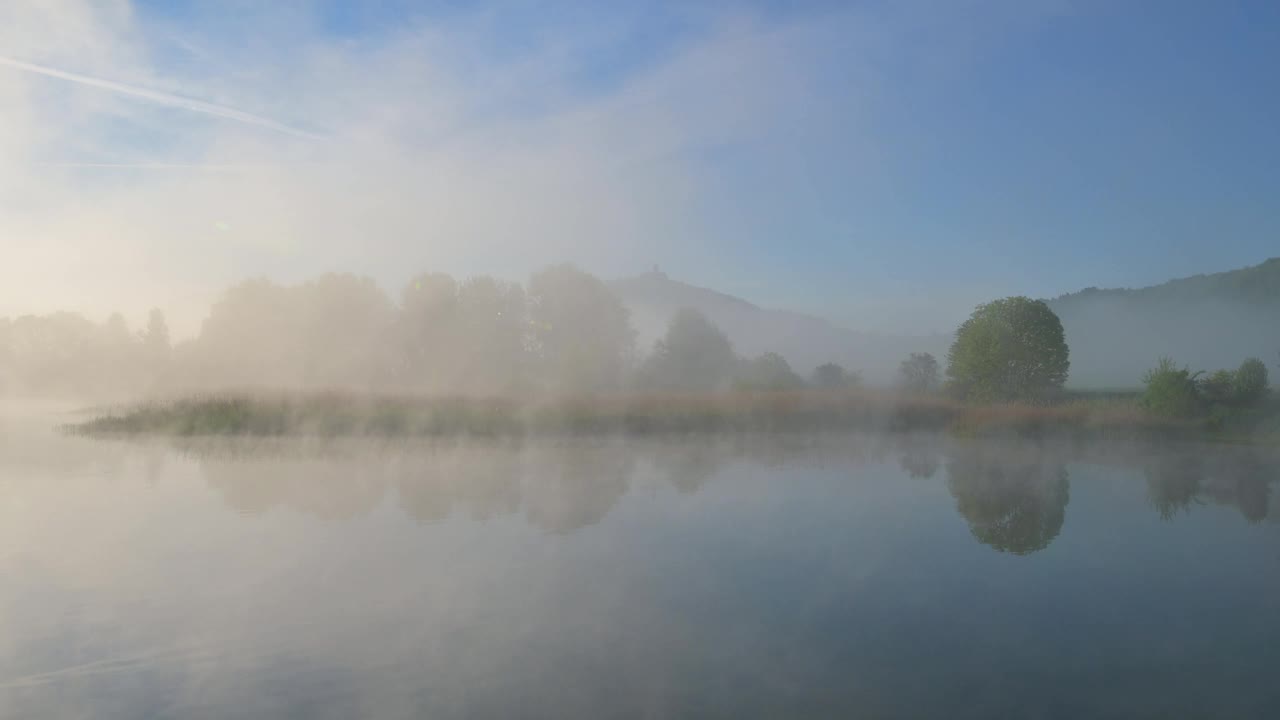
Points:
(1171, 391)
(919, 373)
(693, 356)
(1249, 382)
(769, 371)
(156, 336)
(1009, 349)
(832, 376)
(580, 332)
(491, 321)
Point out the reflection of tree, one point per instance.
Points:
(562, 487)
(1242, 480)
(1173, 481)
(918, 456)
(1253, 497)
(328, 489)
(1012, 503)
(485, 478)
(575, 484)
(689, 465)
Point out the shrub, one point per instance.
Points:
(1249, 382)
(1218, 388)
(1171, 391)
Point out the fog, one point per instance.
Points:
(428, 150)
(1115, 340)
(603, 576)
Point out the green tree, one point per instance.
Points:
(1171, 391)
(693, 356)
(1249, 382)
(919, 373)
(580, 332)
(1009, 349)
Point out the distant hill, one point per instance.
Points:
(1204, 321)
(805, 340)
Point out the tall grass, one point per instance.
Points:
(346, 414)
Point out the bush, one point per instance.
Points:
(1171, 391)
(1219, 388)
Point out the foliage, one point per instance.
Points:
(1009, 349)
(832, 376)
(1171, 391)
(1249, 383)
(919, 373)
(66, 354)
(581, 334)
(1218, 388)
(156, 336)
(769, 372)
(693, 356)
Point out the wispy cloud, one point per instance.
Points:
(160, 98)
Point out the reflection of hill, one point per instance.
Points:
(1014, 501)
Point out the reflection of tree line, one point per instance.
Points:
(1014, 498)
(1176, 482)
(557, 486)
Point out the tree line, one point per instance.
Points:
(564, 332)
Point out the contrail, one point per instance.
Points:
(161, 98)
(153, 166)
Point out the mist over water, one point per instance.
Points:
(802, 575)
(568, 359)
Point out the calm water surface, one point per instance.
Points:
(842, 576)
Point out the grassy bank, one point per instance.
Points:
(339, 414)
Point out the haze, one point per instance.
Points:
(867, 163)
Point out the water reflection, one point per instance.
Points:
(560, 487)
(1014, 497)
(918, 456)
(1239, 478)
(719, 577)
(1014, 501)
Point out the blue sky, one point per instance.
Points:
(886, 165)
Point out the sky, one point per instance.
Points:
(886, 165)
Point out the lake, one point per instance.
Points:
(784, 576)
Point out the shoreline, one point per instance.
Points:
(335, 414)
